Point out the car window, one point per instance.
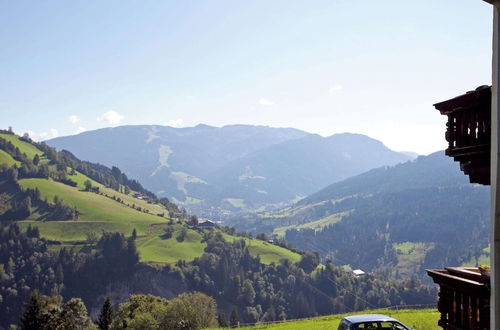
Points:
(380, 326)
(366, 325)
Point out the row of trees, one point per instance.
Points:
(187, 311)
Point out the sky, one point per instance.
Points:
(326, 67)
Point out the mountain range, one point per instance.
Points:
(232, 168)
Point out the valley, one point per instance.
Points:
(215, 172)
(401, 219)
(80, 218)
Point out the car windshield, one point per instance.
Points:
(389, 325)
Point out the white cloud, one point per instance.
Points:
(73, 119)
(264, 101)
(174, 123)
(80, 129)
(335, 88)
(52, 133)
(111, 117)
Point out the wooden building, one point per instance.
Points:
(464, 293)
(473, 140)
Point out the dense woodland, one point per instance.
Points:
(239, 283)
(454, 221)
(427, 205)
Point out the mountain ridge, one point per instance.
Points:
(231, 168)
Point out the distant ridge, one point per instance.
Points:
(232, 168)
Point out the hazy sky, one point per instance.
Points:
(371, 67)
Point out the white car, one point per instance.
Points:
(371, 321)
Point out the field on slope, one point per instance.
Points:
(100, 213)
(156, 247)
(418, 319)
(97, 213)
(268, 252)
(129, 200)
(29, 149)
(7, 159)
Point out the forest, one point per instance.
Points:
(238, 282)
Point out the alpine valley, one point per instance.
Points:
(217, 171)
(76, 235)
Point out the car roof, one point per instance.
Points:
(369, 318)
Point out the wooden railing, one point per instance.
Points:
(464, 298)
(469, 132)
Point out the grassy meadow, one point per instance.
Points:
(7, 159)
(268, 252)
(29, 149)
(418, 319)
(157, 248)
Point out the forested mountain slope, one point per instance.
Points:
(214, 170)
(402, 219)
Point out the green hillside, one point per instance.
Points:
(112, 210)
(7, 159)
(418, 319)
(156, 247)
(29, 149)
(268, 252)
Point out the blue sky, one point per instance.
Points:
(371, 67)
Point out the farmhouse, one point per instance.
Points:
(205, 223)
(358, 273)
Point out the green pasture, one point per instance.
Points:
(7, 159)
(29, 149)
(316, 225)
(97, 212)
(129, 200)
(157, 248)
(268, 252)
(418, 319)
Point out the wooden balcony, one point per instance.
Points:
(464, 298)
(469, 132)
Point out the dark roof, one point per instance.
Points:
(369, 318)
(479, 97)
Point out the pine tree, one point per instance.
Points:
(234, 319)
(222, 320)
(36, 160)
(106, 315)
(31, 319)
(134, 234)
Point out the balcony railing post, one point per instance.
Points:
(474, 312)
(443, 306)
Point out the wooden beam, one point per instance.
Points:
(495, 175)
